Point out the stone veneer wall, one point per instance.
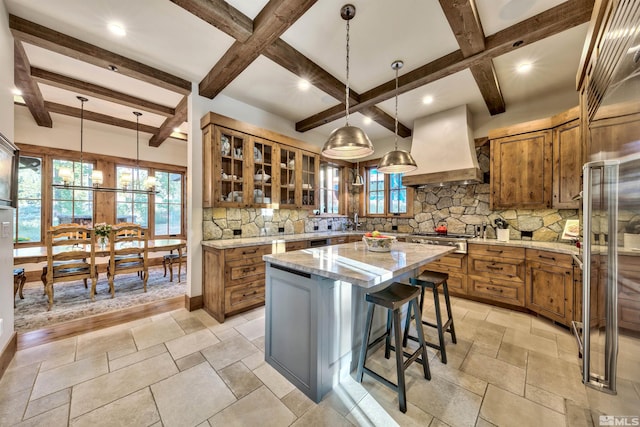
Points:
(462, 207)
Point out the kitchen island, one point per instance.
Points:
(315, 307)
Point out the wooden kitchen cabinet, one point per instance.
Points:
(233, 279)
(455, 265)
(567, 165)
(496, 273)
(550, 285)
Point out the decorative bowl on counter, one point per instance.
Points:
(379, 243)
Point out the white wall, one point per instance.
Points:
(6, 215)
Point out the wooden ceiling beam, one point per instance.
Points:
(273, 20)
(221, 15)
(166, 129)
(30, 91)
(32, 33)
(464, 21)
(289, 58)
(553, 21)
(90, 89)
(97, 117)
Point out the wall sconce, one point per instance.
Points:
(125, 180)
(66, 174)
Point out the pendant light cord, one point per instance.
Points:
(396, 121)
(137, 183)
(347, 85)
(81, 142)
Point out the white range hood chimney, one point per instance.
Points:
(444, 150)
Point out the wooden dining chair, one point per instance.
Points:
(129, 251)
(170, 259)
(70, 256)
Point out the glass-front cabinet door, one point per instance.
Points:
(264, 172)
(287, 181)
(310, 172)
(229, 171)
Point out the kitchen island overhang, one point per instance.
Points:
(315, 308)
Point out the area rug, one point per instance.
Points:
(71, 300)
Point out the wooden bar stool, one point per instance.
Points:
(432, 280)
(393, 298)
(18, 283)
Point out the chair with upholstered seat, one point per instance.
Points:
(70, 256)
(129, 250)
(170, 259)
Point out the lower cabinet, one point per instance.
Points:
(456, 266)
(497, 273)
(550, 285)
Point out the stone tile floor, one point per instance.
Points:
(186, 369)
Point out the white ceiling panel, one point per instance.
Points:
(250, 8)
(496, 15)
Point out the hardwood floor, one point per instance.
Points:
(99, 321)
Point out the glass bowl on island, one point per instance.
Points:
(376, 242)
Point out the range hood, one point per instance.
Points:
(444, 150)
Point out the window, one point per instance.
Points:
(168, 204)
(131, 207)
(72, 206)
(329, 189)
(27, 224)
(386, 195)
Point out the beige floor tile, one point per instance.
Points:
(57, 350)
(543, 333)
(254, 360)
(517, 356)
(298, 402)
(225, 334)
(345, 395)
(501, 408)
(229, 351)
(190, 324)
(230, 322)
(192, 396)
(47, 403)
(625, 402)
(556, 376)
(161, 330)
(254, 314)
(92, 345)
(450, 403)
(190, 361)
(577, 416)
(259, 343)
(205, 318)
(115, 385)
(260, 407)
(438, 423)
(252, 329)
(531, 342)
(68, 375)
(12, 406)
(18, 379)
(322, 415)
(136, 409)
(481, 422)
(511, 319)
(187, 344)
(181, 314)
(278, 384)
(116, 354)
(473, 315)
(58, 417)
(545, 398)
(486, 341)
(495, 371)
(136, 357)
(240, 379)
(452, 373)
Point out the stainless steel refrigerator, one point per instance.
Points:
(611, 273)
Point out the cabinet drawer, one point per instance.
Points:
(554, 258)
(246, 251)
(355, 238)
(339, 240)
(243, 268)
(241, 297)
(497, 290)
(500, 268)
(449, 263)
(496, 250)
(295, 246)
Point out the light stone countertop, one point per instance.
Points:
(353, 263)
(267, 240)
(565, 248)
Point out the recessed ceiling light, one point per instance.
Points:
(117, 29)
(524, 67)
(427, 99)
(367, 120)
(18, 99)
(176, 129)
(303, 84)
(16, 91)
(112, 68)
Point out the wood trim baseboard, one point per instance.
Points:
(193, 303)
(98, 321)
(8, 352)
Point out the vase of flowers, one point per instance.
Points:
(102, 231)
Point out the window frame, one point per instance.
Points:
(16, 235)
(183, 204)
(340, 193)
(364, 195)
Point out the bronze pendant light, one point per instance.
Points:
(347, 142)
(397, 161)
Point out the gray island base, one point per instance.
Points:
(315, 308)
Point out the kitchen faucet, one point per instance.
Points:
(355, 220)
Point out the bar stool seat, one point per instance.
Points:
(393, 298)
(432, 280)
(19, 278)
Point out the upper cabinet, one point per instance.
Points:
(537, 165)
(245, 166)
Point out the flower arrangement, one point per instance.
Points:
(102, 229)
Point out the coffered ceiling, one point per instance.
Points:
(457, 52)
